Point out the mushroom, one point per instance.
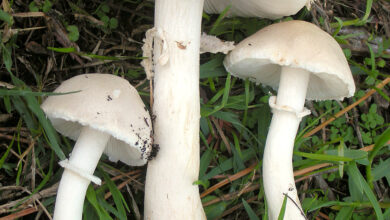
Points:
(105, 114)
(300, 61)
(170, 192)
(256, 8)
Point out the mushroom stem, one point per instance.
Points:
(277, 162)
(74, 183)
(169, 190)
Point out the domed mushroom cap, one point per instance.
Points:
(256, 8)
(295, 44)
(106, 103)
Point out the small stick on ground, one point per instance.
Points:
(20, 214)
(340, 113)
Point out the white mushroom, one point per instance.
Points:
(105, 115)
(169, 190)
(300, 61)
(256, 8)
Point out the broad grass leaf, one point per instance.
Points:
(215, 210)
(283, 208)
(252, 215)
(345, 213)
(91, 197)
(119, 201)
(205, 161)
(358, 178)
(228, 164)
(382, 170)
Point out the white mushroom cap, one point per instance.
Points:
(256, 8)
(106, 103)
(296, 44)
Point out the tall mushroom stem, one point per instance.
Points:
(277, 163)
(169, 191)
(78, 173)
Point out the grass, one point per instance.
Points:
(341, 155)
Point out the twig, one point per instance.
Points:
(20, 214)
(123, 184)
(234, 208)
(295, 203)
(30, 146)
(44, 209)
(133, 172)
(5, 117)
(316, 174)
(97, 63)
(228, 180)
(39, 195)
(6, 85)
(28, 14)
(310, 169)
(323, 215)
(120, 47)
(122, 175)
(223, 137)
(340, 113)
(10, 137)
(18, 30)
(134, 204)
(341, 106)
(90, 18)
(232, 195)
(12, 152)
(370, 147)
(12, 129)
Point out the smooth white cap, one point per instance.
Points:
(256, 8)
(297, 44)
(106, 103)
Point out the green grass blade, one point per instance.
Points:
(205, 161)
(116, 195)
(382, 140)
(215, 210)
(252, 215)
(345, 213)
(62, 50)
(322, 157)
(17, 92)
(91, 197)
(283, 208)
(219, 19)
(106, 206)
(381, 170)
(228, 164)
(357, 177)
(5, 155)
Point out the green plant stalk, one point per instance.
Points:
(283, 208)
(356, 21)
(385, 136)
(383, 205)
(224, 98)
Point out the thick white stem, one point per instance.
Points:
(277, 162)
(169, 190)
(73, 186)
